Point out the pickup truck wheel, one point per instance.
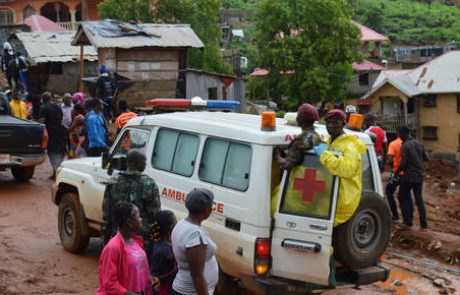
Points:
(70, 224)
(23, 173)
(360, 241)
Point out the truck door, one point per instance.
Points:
(302, 236)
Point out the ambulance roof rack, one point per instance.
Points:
(163, 105)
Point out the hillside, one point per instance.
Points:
(410, 21)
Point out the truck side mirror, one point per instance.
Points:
(105, 160)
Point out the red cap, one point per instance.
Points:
(308, 112)
(335, 115)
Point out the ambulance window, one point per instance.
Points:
(226, 163)
(131, 139)
(309, 190)
(175, 151)
(236, 173)
(368, 182)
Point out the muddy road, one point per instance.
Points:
(32, 261)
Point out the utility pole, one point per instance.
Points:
(84, 10)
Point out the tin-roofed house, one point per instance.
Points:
(151, 55)
(54, 61)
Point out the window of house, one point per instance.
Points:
(175, 151)
(363, 79)
(430, 132)
(430, 100)
(56, 68)
(226, 163)
(458, 103)
(6, 16)
(212, 93)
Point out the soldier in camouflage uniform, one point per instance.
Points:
(306, 117)
(131, 186)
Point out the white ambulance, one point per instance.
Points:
(287, 252)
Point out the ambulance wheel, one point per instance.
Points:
(71, 224)
(227, 285)
(23, 173)
(360, 241)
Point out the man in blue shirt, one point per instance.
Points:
(96, 129)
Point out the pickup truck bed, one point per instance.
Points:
(22, 146)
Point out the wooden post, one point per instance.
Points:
(84, 10)
(82, 62)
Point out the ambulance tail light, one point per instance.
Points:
(44, 139)
(262, 257)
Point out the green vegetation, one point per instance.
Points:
(410, 21)
(308, 46)
(201, 15)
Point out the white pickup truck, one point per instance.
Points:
(285, 252)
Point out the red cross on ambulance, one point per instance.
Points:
(308, 185)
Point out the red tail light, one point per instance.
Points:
(262, 257)
(44, 139)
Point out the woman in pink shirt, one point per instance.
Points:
(123, 266)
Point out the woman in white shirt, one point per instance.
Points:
(193, 248)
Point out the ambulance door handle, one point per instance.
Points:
(318, 227)
(246, 175)
(192, 163)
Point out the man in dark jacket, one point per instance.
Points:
(51, 116)
(412, 156)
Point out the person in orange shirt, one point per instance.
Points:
(125, 115)
(18, 107)
(394, 158)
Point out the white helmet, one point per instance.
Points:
(350, 109)
(7, 46)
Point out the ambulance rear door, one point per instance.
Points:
(302, 235)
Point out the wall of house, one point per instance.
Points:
(356, 90)
(447, 119)
(68, 81)
(386, 90)
(154, 70)
(18, 6)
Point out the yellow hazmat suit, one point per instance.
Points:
(348, 168)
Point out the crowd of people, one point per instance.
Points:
(145, 251)
(76, 126)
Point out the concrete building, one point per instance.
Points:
(426, 98)
(65, 12)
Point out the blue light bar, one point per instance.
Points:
(223, 104)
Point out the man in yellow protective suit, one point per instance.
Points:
(347, 165)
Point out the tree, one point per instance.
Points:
(308, 46)
(126, 10)
(201, 15)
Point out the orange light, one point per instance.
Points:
(268, 121)
(355, 121)
(261, 269)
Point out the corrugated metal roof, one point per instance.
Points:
(440, 75)
(42, 47)
(113, 34)
(367, 65)
(369, 35)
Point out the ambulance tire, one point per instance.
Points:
(72, 225)
(361, 241)
(227, 285)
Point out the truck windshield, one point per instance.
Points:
(308, 190)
